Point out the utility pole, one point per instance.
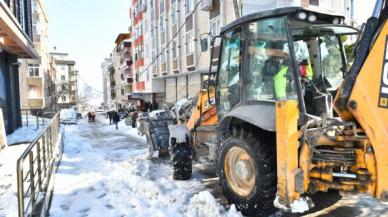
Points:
(76, 89)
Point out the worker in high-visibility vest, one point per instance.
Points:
(280, 83)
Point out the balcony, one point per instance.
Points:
(16, 28)
(138, 18)
(35, 81)
(35, 103)
(139, 86)
(127, 64)
(139, 63)
(139, 40)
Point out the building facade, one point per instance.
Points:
(37, 77)
(66, 80)
(169, 61)
(106, 84)
(122, 71)
(16, 42)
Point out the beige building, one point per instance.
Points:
(121, 71)
(66, 80)
(36, 75)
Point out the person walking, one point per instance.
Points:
(110, 116)
(116, 119)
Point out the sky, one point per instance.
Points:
(87, 29)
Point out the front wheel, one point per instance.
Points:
(181, 160)
(247, 173)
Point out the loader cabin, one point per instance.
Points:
(287, 53)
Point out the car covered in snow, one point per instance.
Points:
(68, 116)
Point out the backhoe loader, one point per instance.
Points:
(293, 119)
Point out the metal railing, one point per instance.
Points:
(37, 117)
(35, 168)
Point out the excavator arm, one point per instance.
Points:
(363, 97)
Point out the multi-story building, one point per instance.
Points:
(144, 37)
(122, 63)
(37, 77)
(66, 80)
(15, 42)
(106, 84)
(167, 36)
(337, 7)
(111, 86)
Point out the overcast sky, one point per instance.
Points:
(87, 29)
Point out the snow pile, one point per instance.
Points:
(204, 204)
(8, 187)
(24, 134)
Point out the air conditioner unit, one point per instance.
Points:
(207, 5)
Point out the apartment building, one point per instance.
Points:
(37, 76)
(146, 87)
(66, 80)
(106, 83)
(336, 7)
(167, 35)
(122, 64)
(15, 42)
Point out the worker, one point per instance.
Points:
(280, 82)
(305, 70)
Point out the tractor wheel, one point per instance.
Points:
(247, 173)
(181, 160)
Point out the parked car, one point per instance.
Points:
(68, 116)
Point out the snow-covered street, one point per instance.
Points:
(105, 172)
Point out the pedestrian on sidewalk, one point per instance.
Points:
(116, 119)
(110, 115)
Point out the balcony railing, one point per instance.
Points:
(140, 85)
(36, 81)
(35, 103)
(21, 9)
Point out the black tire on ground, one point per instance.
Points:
(257, 200)
(181, 160)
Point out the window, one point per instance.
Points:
(332, 65)
(215, 29)
(122, 92)
(174, 49)
(162, 54)
(63, 98)
(162, 6)
(228, 88)
(162, 23)
(189, 6)
(270, 73)
(189, 42)
(63, 77)
(33, 70)
(174, 16)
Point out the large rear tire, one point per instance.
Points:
(181, 160)
(247, 173)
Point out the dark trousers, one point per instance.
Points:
(110, 121)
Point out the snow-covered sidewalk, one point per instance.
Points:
(105, 172)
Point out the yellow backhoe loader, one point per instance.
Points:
(293, 118)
